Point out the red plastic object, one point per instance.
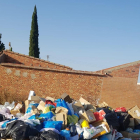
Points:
(50, 102)
(99, 115)
(120, 109)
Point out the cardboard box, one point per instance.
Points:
(88, 115)
(27, 102)
(50, 98)
(41, 105)
(135, 113)
(35, 110)
(18, 106)
(66, 97)
(61, 115)
(14, 112)
(131, 124)
(77, 106)
(88, 104)
(103, 126)
(130, 135)
(104, 104)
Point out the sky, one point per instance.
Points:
(87, 35)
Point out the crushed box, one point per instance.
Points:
(61, 115)
(66, 97)
(135, 113)
(88, 115)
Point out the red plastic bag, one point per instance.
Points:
(120, 109)
(99, 115)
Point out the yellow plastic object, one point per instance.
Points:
(85, 123)
(46, 109)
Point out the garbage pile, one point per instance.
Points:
(67, 119)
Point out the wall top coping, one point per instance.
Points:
(55, 70)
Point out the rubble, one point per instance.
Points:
(67, 119)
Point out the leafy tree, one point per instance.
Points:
(2, 46)
(33, 48)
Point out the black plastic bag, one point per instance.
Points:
(24, 132)
(18, 130)
(48, 135)
(112, 120)
(11, 127)
(124, 120)
(2, 118)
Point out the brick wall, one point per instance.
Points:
(120, 86)
(19, 81)
(16, 58)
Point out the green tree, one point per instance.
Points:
(2, 46)
(11, 49)
(33, 48)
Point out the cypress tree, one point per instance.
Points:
(33, 48)
(2, 46)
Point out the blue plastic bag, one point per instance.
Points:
(66, 134)
(62, 103)
(53, 124)
(32, 117)
(47, 116)
(103, 137)
(30, 107)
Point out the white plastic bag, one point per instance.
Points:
(32, 93)
(89, 133)
(78, 128)
(25, 117)
(33, 122)
(4, 110)
(19, 115)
